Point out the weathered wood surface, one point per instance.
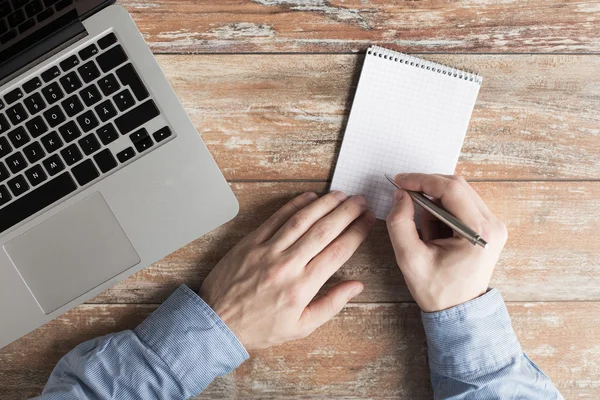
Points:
(371, 351)
(351, 25)
(283, 117)
(552, 252)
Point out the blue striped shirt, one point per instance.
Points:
(179, 349)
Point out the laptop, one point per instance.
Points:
(101, 171)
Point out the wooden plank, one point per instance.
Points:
(551, 253)
(369, 351)
(283, 117)
(351, 25)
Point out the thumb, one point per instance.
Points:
(324, 308)
(401, 227)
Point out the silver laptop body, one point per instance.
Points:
(136, 181)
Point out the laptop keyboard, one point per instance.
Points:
(19, 16)
(56, 128)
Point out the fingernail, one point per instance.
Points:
(398, 195)
(356, 291)
(360, 200)
(339, 195)
(311, 195)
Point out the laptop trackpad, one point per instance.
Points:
(72, 253)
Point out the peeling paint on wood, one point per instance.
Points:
(351, 25)
(375, 351)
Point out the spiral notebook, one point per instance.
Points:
(408, 115)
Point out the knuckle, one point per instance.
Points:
(454, 186)
(460, 179)
(295, 296)
(322, 231)
(338, 252)
(298, 221)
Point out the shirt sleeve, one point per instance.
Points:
(174, 354)
(474, 354)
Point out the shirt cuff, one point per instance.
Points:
(473, 336)
(191, 338)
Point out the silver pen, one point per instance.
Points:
(444, 216)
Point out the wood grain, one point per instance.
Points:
(351, 25)
(551, 253)
(283, 117)
(368, 351)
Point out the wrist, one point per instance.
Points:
(444, 301)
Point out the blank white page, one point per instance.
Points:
(408, 115)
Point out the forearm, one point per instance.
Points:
(174, 354)
(475, 354)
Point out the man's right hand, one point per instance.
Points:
(444, 270)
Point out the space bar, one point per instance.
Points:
(36, 200)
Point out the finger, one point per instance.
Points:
(452, 195)
(276, 221)
(340, 250)
(402, 229)
(431, 227)
(477, 200)
(304, 219)
(328, 228)
(327, 306)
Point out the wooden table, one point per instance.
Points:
(269, 84)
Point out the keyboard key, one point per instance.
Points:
(72, 106)
(8, 36)
(87, 121)
(3, 27)
(88, 71)
(69, 63)
(54, 116)
(4, 125)
(16, 162)
(36, 126)
(4, 174)
(162, 134)
(1, 105)
(50, 74)
(112, 58)
(126, 155)
(88, 52)
(49, 3)
(107, 134)
(124, 100)
(33, 8)
(105, 160)
(137, 117)
(44, 15)
(19, 3)
(5, 9)
(144, 144)
(90, 95)
(34, 103)
(36, 200)
(70, 82)
(109, 84)
(18, 185)
(53, 165)
(18, 137)
(53, 93)
(63, 4)
(69, 131)
(16, 18)
(34, 152)
(35, 175)
(4, 195)
(129, 76)
(5, 147)
(13, 96)
(89, 144)
(106, 110)
(27, 25)
(107, 40)
(71, 154)
(138, 135)
(32, 85)
(51, 142)
(85, 172)
(17, 114)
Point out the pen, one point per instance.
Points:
(444, 216)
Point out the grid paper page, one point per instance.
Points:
(405, 118)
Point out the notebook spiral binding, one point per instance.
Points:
(417, 62)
